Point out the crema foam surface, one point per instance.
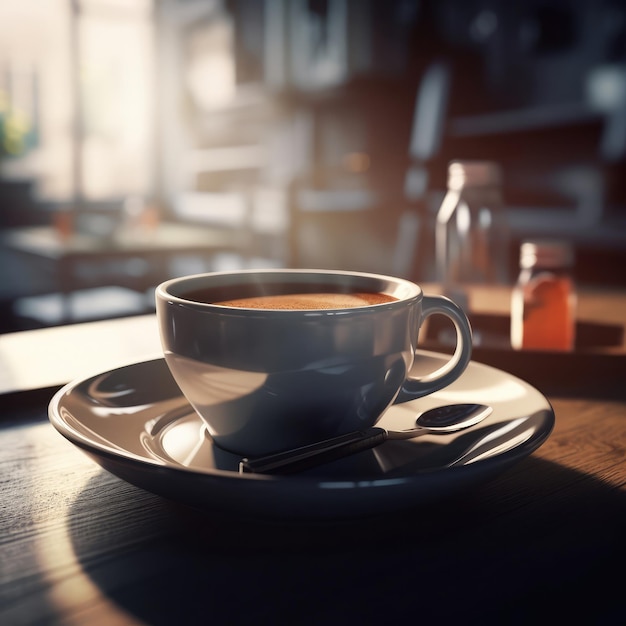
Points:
(309, 301)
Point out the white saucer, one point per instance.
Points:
(135, 423)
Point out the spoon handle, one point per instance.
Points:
(315, 454)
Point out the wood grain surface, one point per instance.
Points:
(544, 541)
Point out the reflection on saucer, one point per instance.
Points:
(135, 422)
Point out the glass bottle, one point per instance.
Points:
(543, 304)
(472, 235)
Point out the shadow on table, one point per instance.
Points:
(540, 543)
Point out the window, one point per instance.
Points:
(76, 96)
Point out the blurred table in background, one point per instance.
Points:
(127, 258)
(605, 306)
(596, 365)
(602, 305)
(50, 357)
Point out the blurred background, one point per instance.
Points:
(144, 139)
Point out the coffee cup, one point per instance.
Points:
(276, 359)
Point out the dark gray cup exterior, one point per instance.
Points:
(269, 380)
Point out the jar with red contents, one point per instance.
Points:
(543, 305)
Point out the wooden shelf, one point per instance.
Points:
(522, 120)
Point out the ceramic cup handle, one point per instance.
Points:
(416, 387)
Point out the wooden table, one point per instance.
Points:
(544, 542)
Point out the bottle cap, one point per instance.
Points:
(473, 174)
(547, 254)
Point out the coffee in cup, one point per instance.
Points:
(308, 301)
(276, 359)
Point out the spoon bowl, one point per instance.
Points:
(439, 420)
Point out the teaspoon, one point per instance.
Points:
(440, 420)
